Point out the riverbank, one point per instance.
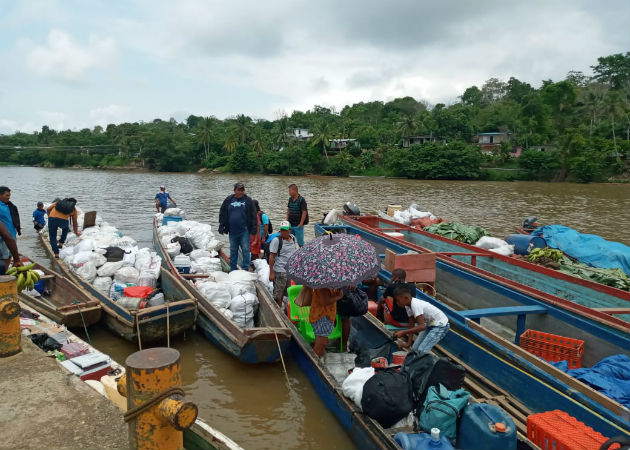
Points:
(44, 406)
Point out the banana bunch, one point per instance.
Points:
(547, 252)
(26, 277)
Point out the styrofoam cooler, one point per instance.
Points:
(167, 219)
(182, 263)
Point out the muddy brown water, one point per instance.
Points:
(254, 405)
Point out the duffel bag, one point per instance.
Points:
(446, 372)
(386, 397)
(441, 410)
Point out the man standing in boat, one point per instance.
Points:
(281, 248)
(10, 218)
(238, 219)
(297, 214)
(161, 200)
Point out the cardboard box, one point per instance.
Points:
(420, 267)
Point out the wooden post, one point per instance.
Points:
(10, 333)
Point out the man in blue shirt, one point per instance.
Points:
(39, 215)
(238, 218)
(161, 200)
(10, 218)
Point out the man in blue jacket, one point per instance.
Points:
(238, 218)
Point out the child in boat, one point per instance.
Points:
(428, 321)
(396, 315)
(322, 316)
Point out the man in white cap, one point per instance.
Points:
(161, 200)
(281, 248)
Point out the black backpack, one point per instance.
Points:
(269, 226)
(418, 368)
(184, 243)
(387, 397)
(65, 206)
(447, 373)
(267, 246)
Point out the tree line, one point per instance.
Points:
(582, 122)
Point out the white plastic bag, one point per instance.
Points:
(98, 259)
(244, 308)
(352, 386)
(80, 258)
(214, 245)
(215, 293)
(86, 245)
(109, 269)
(102, 284)
(66, 252)
(173, 212)
(87, 272)
(200, 253)
(218, 276)
(227, 313)
(332, 217)
(127, 275)
(489, 242)
(173, 249)
(125, 242)
(129, 259)
(505, 250)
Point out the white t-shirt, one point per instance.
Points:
(433, 317)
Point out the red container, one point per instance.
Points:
(557, 430)
(553, 347)
(398, 358)
(74, 349)
(379, 363)
(137, 291)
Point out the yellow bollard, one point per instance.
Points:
(10, 333)
(156, 409)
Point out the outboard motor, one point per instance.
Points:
(529, 224)
(350, 209)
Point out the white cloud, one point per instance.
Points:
(105, 115)
(64, 59)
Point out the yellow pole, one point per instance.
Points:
(155, 421)
(10, 333)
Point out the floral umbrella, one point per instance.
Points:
(333, 261)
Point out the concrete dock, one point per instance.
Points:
(44, 406)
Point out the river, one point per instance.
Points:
(254, 405)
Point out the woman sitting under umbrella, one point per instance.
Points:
(327, 264)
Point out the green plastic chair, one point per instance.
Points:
(299, 316)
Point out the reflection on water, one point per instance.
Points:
(254, 405)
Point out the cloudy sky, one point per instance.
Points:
(77, 63)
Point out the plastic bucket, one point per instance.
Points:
(398, 357)
(379, 363)
(524, 243)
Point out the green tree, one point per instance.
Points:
(322, 134)
(204, 135)
(614, 70)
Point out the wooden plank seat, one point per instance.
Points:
(521, 313)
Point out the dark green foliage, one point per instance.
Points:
(455, 160)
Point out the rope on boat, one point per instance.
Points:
(168, 327)
(76, 302)
(284, 368)
(138, 331)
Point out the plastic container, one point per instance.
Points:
(167, 219)
(182, 263)
(40, 286)
(423, 441)
(398, 357)
(485, 427)
(379, 363)
(552, 347)
(558, 430)
(525, 243)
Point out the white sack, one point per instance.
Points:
(200, 253)
(489, 242)
(86, 245)
(66, 252)
(109, 269)
(80, 258)
(102, 284)
(352, 386)
(218, 276)
(244, 308)
(129, 259)
(214, 245)
(98, 259)
(332, 217)
(174, 212)
(505, 250)
(87, 272)
(227, 313)
(215, 293)
(125, 242)
(127, 275)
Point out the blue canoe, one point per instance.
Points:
(260, 344)
(593, 300)
(491, 347)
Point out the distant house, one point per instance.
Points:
(301, 134)
(490, 142)
(421, 139)
(542, 148)
(340, 144)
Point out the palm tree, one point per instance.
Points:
(258, 141)
(282, 131)
(243, 127)
(408, 126)
(322, 135)
(204, 135)
(230, 140)
(613, 107)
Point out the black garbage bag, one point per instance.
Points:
(387, 397)
(114, 254)
(45, 342)
(184, 243)
(418, 367)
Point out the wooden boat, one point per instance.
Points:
(594, 300)
(466, 297)
(63, 301)
(260, 344)
(200, 436)
(174, 317)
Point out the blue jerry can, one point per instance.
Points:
(423, 441)
(485, 427)
(525, 243)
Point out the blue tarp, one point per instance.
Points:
(610, 376)
(587, 248)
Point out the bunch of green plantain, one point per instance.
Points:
(26, 277)
(547, 252)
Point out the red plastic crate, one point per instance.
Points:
(553, 347)
(557, 430)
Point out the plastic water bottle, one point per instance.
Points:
(423, 441)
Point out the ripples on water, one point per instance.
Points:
(254, 405)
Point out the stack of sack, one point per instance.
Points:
(416, 218)
(262, 269)
(495, 245)
(109, 261)
(233, 294)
